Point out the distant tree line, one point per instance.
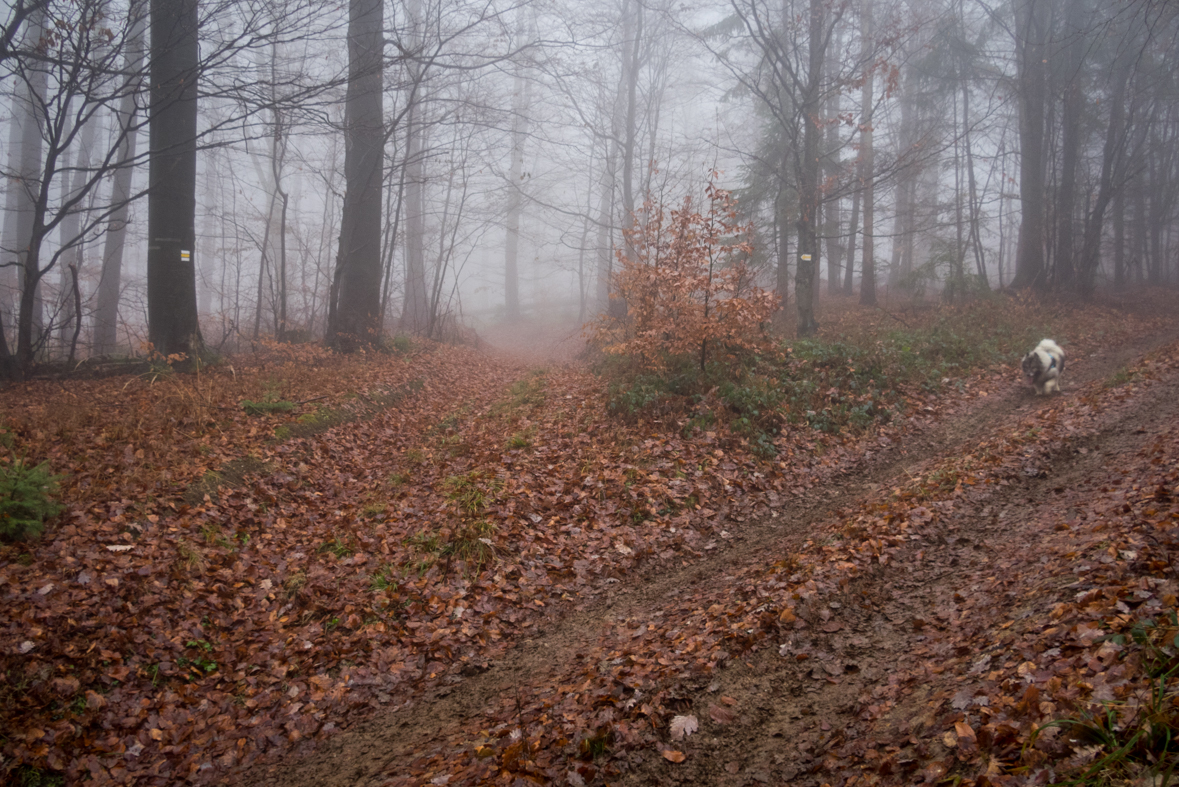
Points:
(313, 171)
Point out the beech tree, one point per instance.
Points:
(356, 296)
(688, 292)
(127, 120)
(66, 78)
(173, 327)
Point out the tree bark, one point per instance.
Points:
(632, 56)
(106, 313)
(1112, 152)
(520, 109)
(868, 164)
(358, 265)
(810, 195)
(28, 199)
(1031, 54)
(849, 281)
(173, 326)
(1070, 144)
(831, 207)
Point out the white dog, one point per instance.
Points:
(1043, 366)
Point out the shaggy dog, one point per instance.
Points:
(1043, 366)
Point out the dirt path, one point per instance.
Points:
(808, 699)
(793, 710)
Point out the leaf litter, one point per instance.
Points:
(337, 578)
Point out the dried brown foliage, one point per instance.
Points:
(687, 289)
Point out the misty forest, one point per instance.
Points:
(550, 392)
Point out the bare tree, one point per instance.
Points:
(519, 133)
(867, 158)
(127, 124)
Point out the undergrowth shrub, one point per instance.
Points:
(829, 384)
(399, 344)
(683, 293)
(26, 500)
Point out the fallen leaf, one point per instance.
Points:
(671, 755)
(721, 715)
(682, 726)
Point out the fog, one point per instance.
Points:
(886, 152)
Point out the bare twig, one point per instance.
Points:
(898, 319)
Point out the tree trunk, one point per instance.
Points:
(831, 207)
(606, 226)
(901, 263)
(1115, 141)
(868, 164)
(1066, 201)
(415, 311)
(783, 224)
(1031, 54)
(27, 200)
(106, 313)
(1138, 259)
(1119, 239)
(358, 265)
(72, 239)
(632, 56)
(520, 107)
(849, 281)
(810, 193)
(975, 238)
(173, 327)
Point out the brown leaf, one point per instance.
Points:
(721, 715)
(671, 755)
(682, 726)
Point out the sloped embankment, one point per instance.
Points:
(925, 628)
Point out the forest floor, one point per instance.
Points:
(450, 566)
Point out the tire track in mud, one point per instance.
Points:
(797, 704)
(369, 751)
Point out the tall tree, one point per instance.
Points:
(106, 314)
(357, 301)
(173, 326)
(790, 41)
(415, 313)
(809, 189)
(520, 108)
(73, 238)
(1031, 49)
(867, 158)
(29, 190)
(1070, 143)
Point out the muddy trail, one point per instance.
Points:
(772, 715)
